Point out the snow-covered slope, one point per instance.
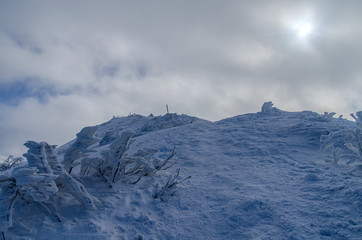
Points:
(254, 176)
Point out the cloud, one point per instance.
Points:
(65, 65)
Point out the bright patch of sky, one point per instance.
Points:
(304, 29)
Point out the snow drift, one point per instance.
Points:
(268, 175)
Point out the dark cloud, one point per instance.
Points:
(90, 60)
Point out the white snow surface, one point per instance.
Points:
(253, 176)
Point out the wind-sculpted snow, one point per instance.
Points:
(253, 176)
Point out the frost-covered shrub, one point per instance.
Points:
(344, 143)
(169, 188)
(28, 183)
(8, 196)
(358, 118)
(79, 148)
(116, 164)
(10, 162)
(42, 156)
(38, 182)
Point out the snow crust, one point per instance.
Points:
(253, 176)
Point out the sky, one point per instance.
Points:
(65, 65)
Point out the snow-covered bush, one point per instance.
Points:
(28, 183)
(42, 156)
(358, 118)
(38, 182)
(8, 196)
(79, 148)
(344, 143)
(169, 188)
(10, 162)
(116, 164)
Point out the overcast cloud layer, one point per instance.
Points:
(69, 64)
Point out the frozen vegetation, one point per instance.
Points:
(266, 175)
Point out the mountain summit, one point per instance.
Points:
(266, 175)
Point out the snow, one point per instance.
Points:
(2, 158)
(254, 176)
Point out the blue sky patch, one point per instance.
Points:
(142, 71)
(13, 93)
(110, 70)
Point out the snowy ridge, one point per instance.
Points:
(253, 176)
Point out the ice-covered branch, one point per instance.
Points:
(10, 162)
(118, 149)
(160, 165)
(170, 187)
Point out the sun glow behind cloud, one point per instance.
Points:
(300, 22)
(303, 29)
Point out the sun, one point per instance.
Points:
(303, 29)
